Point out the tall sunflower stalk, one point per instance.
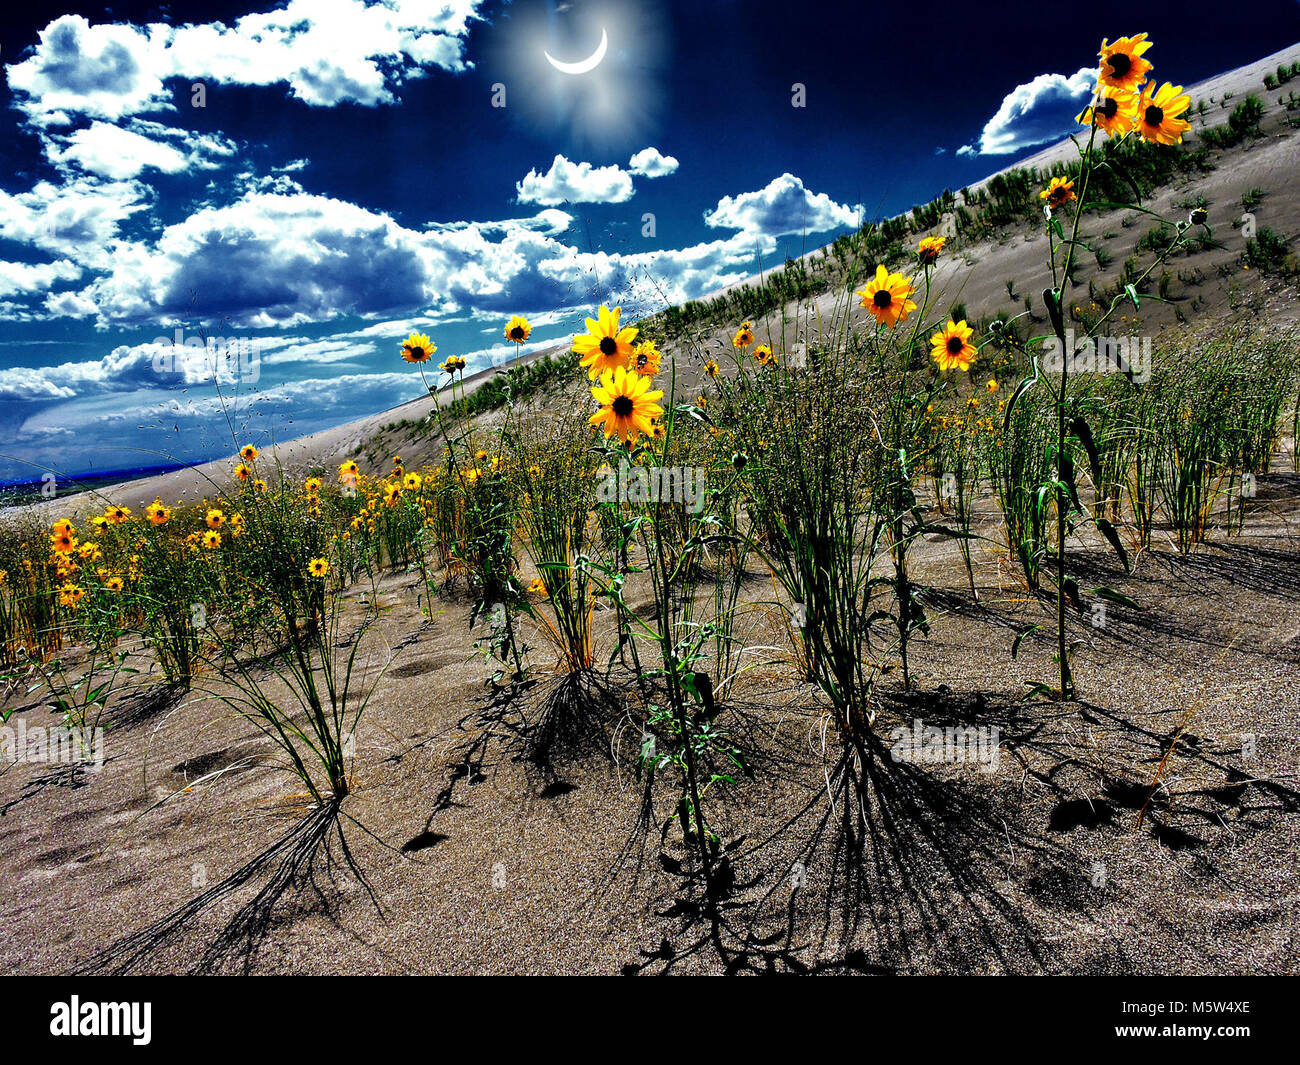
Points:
(1124, 105)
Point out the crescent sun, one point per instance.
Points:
(583, 66)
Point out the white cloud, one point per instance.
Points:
(571, 182)
(649, 163)
(33, 277)
(116, 153)
(783, 206)
(325, 51)
(79, 219)
(1038, 111)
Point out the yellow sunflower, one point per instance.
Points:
(70, 595)
(887, 297)
(62, 526)
(1115, 112)
(1058, 193)
(951, 347)
(744, 335)
(259, 485)
(63, 543)
(1159, 111)
(214, 518)
(211, 539)
(1122, 65)
(248, 452)
(517, 330)
(117, 515)
(312, 486)
(243, 472)
(537, 587)
(318, 567)
(711, 368)
(765, 356)
(929, 248)
(605, 347)
(627, 406)
(451, 364)
(157, 513)
(645, 358)
(114, 584)
(418, 348)
(348, 472)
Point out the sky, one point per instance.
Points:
(297, 185)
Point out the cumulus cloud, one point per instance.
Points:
(346, 50)
(1038, 111)
(570, 182)
(35, 277)
(116, 153)
(79, 219)
(783, 206)
(649, 163)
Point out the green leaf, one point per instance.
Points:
(1116, 597)
(1131, 292)
(1079, 428)
(1021, 389)
(1112, 536)
(1020, 638)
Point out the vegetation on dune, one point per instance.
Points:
(817, 457)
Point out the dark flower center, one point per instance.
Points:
(1108, 108)
(883, 297)
(955, 344)
(641, 360)
(1120, 64)
(608, 346)
(517, 333)
(1154, 115)
(417, 353)
(622, 406)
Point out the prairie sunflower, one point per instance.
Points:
(929, 248)
(243, 472)
(627, 406)
(537, 587)
(992, 385)
(63, 525)
(259, 485)
(70, 594)
(1115, 112)
(645, 358)
(63, 543)
(451, 364)
(412, 481)
(117, 515)
(1159, 111)
(157, 513)
(517, 330)
(312, 486)
(951, 347)
(887, 297)
(114, 584)
(605, 347)
(214, 518)
(711, 368)
(211, 539)
(317, 567)
(765, 356)
(418, 348)
(1058, 193)
(1122, 65)
(744, 335)
(348, 472)
(248, 452)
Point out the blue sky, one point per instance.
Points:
(352, 174)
